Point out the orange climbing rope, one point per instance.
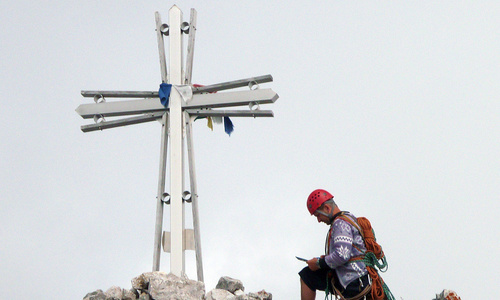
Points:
(375, 248)
(373, 253)
(369, 236)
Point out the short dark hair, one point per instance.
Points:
(329, 201)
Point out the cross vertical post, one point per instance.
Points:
(177, 257)
(163, 153)
(188, 120)
(161, 190)
(194, 195)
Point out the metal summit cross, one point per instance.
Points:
(180, 104)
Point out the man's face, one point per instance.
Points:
(322, 218)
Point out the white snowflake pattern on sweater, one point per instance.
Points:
(343, 252)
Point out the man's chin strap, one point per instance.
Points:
(335, 216)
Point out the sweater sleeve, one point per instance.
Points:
(340, 244)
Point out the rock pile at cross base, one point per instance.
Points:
(163, 286)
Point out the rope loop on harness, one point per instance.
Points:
(371, 260)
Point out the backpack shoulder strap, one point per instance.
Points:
(354, 223)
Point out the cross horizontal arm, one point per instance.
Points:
(232, 84)
(230, 113)
(193, 112)
(120, 94)
(134, 107)
(120, 108)
(239, 98)
(122, 122)
(196, 90)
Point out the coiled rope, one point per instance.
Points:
(373, 258)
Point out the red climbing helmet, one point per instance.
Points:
(316, 198)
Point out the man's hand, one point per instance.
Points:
(313, 264)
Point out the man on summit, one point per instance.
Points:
(344, 243)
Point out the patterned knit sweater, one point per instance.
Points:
(342, 237)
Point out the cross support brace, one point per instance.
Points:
(133, 107)
(196, 90)
(193, 112)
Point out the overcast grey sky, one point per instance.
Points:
(391, 106)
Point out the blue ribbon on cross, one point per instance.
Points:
(164, 93)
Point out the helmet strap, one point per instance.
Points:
(324, 213)
(330, 216)
(335, 216)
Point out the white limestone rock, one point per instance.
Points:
(141, 282)
(130, 294)
(230, 284)
(95, 295)
(262, 295)
(219, 294)
(164, 286)
(114, 293)
(144, 296)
